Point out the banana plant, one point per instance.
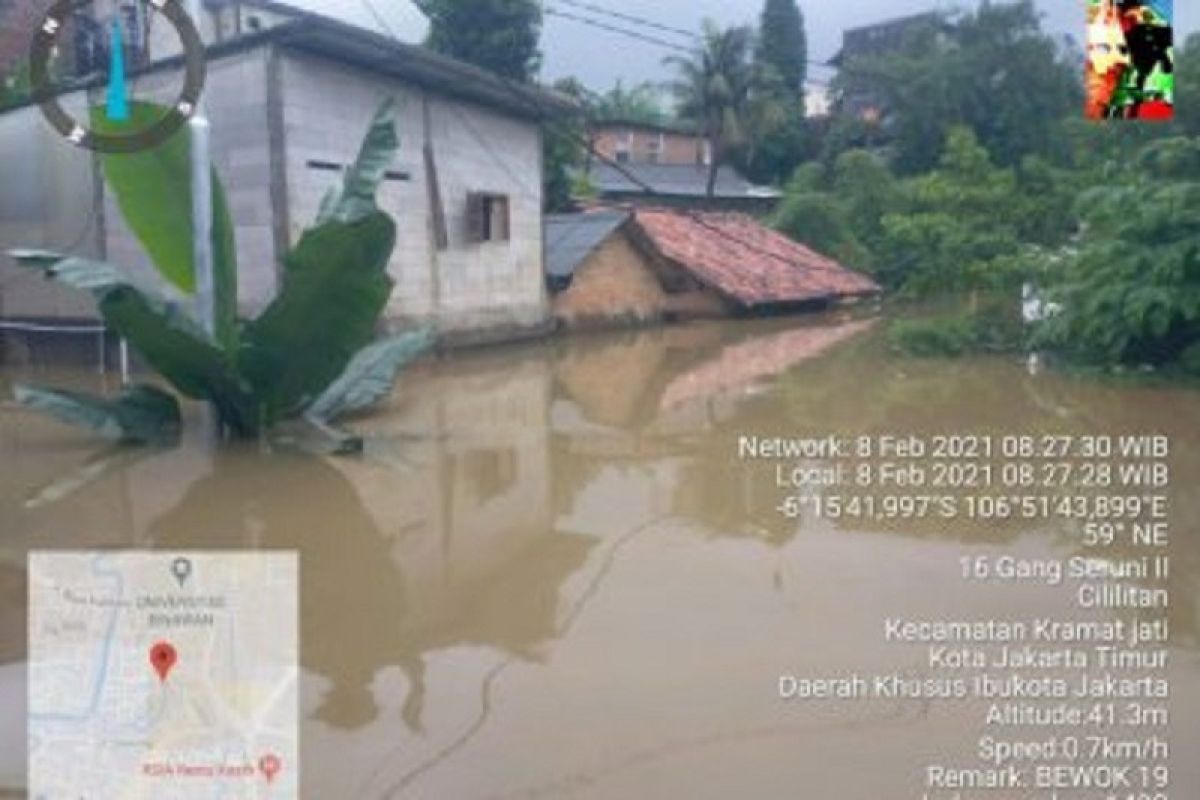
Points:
(310, 355)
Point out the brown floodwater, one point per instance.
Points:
(550, 576)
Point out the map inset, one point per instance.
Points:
(163, 675)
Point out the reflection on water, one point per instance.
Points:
(551, 577)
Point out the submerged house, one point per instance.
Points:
(289, 104)
(655, 264)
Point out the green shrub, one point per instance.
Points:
(935, 336)
(819, 221)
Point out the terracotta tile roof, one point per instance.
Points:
(745, 260)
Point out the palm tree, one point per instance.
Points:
(714, 89)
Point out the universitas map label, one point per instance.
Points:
(163, 674)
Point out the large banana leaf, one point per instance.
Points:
(354, 200)
(370, 375)
(153, 190)
(335, 287)
(162, 331)
(141, 414)
(172, 344)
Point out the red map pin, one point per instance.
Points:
(270, 765)
(162, 658)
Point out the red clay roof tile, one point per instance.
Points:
(745, 260)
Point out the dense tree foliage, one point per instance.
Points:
(564, 141)
(957, 226)
(777, 146)
(840, 211)
(960, 226)
(1187, 85)
(994, 71)
(499, 35)
(1129, 294)
(981, 182)
(820, 222)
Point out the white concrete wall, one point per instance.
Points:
(236, 103)
(468, 287)
(47, 193)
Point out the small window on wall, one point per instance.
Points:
(655, 147)
(488, 217)
(624, 147)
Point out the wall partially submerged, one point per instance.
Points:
(614, 285)
(620, 283)
(285, 123)
(470, 290)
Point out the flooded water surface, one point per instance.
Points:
(552, 576)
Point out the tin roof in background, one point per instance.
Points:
(674, 180)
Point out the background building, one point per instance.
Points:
(644, 143)
(860, 98)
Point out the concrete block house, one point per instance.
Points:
(289, 104)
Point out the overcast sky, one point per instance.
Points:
(599, 57)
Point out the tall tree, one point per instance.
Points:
(994, 70)
(713, 90)
(783, 45)
(500, 36)
(1129, 289)
(780, 140)
(563, 150)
